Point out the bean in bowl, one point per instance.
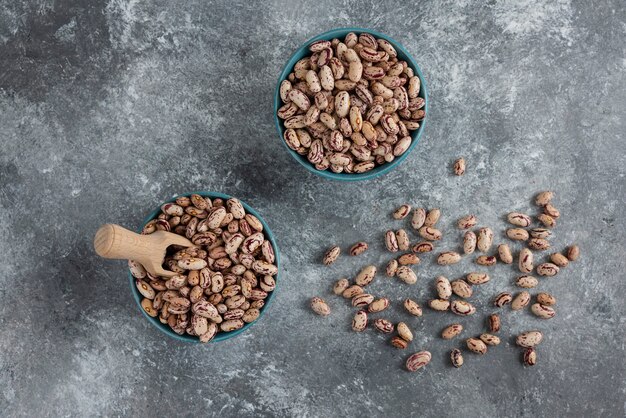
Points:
(350, 106)
(221, 284)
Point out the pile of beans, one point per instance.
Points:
(351, 104)
(454, 296)
(223, 282)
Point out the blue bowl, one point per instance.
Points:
(302, 52)
(221, 336)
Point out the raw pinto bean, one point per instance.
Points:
(214, 281)
(392, 268)
(353, 88)
(469, 242)
(412, 307)
(448, 257)
(408, 259)
(467, 222)
(422, 247)
(484, 239)
(459, 167)
(504, 252)
(520, 301)
(461, 288)
(451, 331)
(418, 361)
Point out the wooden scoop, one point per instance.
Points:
(115, 242)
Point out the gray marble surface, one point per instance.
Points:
(108, 108)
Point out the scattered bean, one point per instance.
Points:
(418, 360)
(456, 357)
(451, 331)
(459, 167)
(476, 345)
(331, 255)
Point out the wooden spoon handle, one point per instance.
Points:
(114, 242)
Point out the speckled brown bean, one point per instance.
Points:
(542, 311)
(384, 326)
(461, 307)
(378, 305)
(448, 257)
(432, 217)
(362, 300)
(550, 210)
(399, 342)
(544, 198)
(145, 289)
(517, 234)
(529, 357)
(352, 291)
(231, 325)
(391, 242)
(443, 287)
(540, 233)
(477, 278)
(429, 233)
(493, 323)
(402, 239)
(331, 255)
(459, 166)
(418, 218)
(529, 339)
(469, 242)
(418, 360)
(490, 339)
(461, 288)
(192, 263)
(527, 282)
(137, 270)
(451, 331)
(365, 276)
(407, 275)
(359, 321)
(319, 306)
(538, 244)
(412, 307)
(456, 357)
(340, 286)
(423, 247)
(404, 331)
(520, 301)
(504, 252)
(559, 259)
(146, 304)
(392, 268)
(547, 220)
(358, 248)
(484, 239)
(519, 219)
(476, 345)
(467, 222)
(408, 259)
(486, 260)
(402, 212)
(573, 252)
(439, 304)
(547, 269)
(502, 299)
(546, 299)
(525, 262)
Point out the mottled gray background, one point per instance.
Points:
(108, 108)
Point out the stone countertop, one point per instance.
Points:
(108, 108)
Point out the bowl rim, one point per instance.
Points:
(379, 170)
(221, 336)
